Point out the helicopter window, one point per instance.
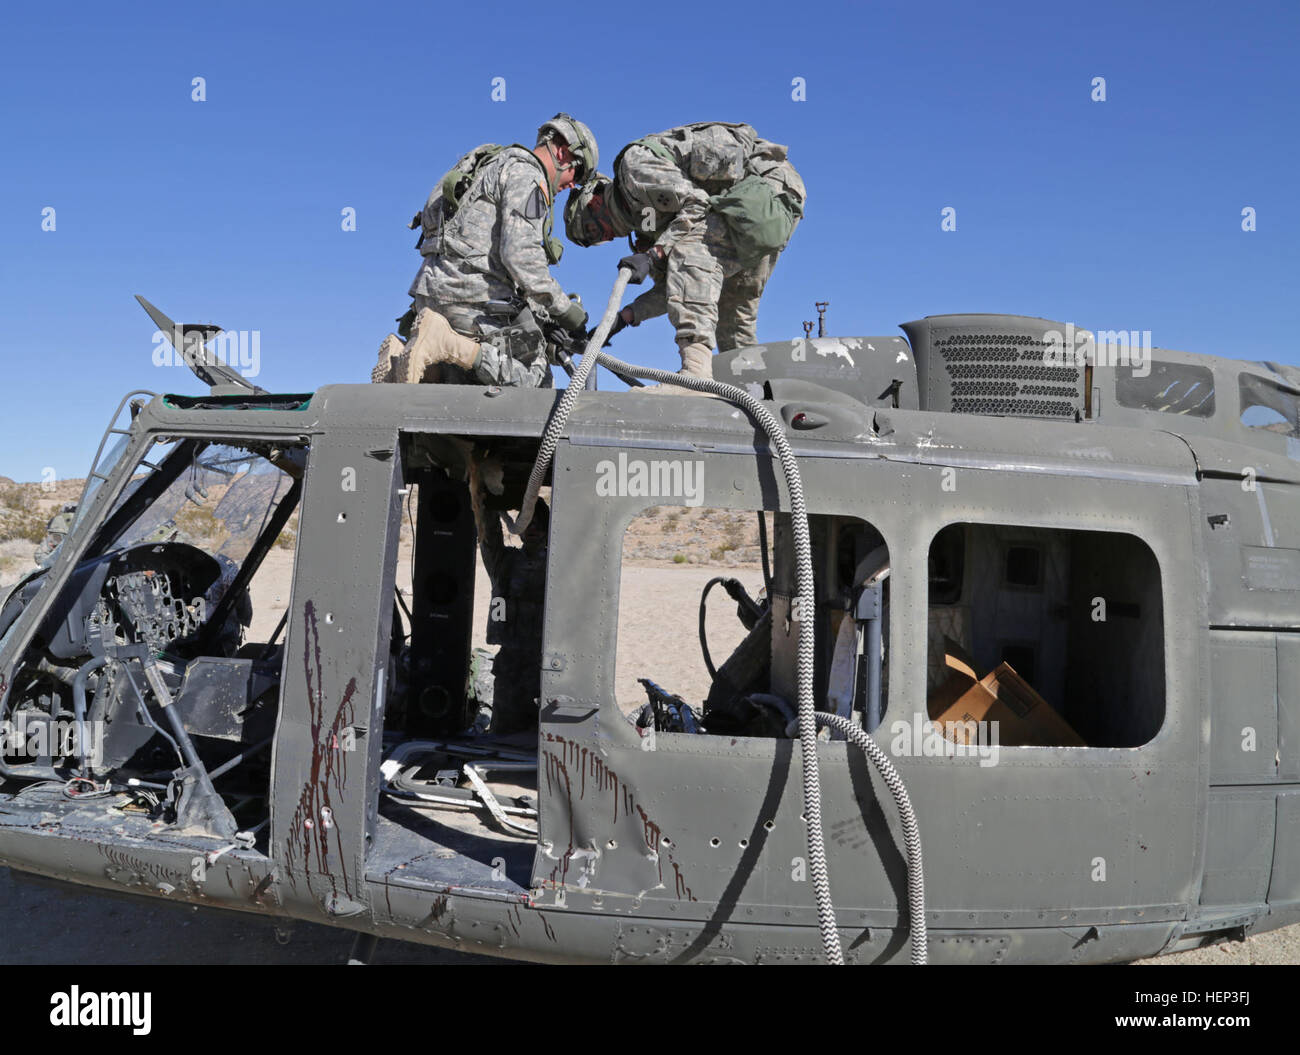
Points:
(1055, 634)
(221, 502)
(707, 622)
(1269, 406)
(1170, 388)
(155, 455)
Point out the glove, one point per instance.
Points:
(573, 318)
(619, 324)
(639, 265)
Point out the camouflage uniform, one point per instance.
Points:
(55, 531)
(491, 250)
(710, 295)
(518, 578)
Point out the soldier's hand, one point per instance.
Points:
(639, 265)
(574, 318)
(621, 322)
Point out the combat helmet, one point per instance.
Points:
(580, 141)
(579, 224)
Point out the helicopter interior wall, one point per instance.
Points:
(1018, 579)
(1115, 672)
(456, 608)
(1077, 614)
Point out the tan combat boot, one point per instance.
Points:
(389, 350)
(431, 343)
(697, 361)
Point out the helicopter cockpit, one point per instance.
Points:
(170, 607)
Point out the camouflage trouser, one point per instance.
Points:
(516, 686)
(711, 298)
(501, 361)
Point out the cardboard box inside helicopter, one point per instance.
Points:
(964, 699)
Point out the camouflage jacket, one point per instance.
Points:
(492, 247)
(663, 183)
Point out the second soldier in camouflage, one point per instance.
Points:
(711, 207)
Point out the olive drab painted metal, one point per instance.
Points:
(661, 845)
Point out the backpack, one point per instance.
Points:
(761, 197)
(760, 217)
(444, 199)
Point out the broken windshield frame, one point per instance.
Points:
(147, 505)
(93, 485)
(220, 495)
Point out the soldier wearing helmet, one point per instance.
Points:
(484, 285)
(710, 206)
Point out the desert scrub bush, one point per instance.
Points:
(198, 522)
(27, 526)
(19, 498)
(288, 537)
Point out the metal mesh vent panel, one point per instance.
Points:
(1005, 373)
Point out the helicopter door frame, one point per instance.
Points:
(328, 739)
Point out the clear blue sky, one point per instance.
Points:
(1119, 215)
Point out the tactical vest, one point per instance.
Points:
(444, 201)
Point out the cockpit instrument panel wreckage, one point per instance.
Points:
(1043, 608)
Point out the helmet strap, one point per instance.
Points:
(556, 167)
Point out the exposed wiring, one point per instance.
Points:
(704, 637)
(93, 790)
(745, 603)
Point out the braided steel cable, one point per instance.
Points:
(801, 614)
(911, 833)
(560, 412)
